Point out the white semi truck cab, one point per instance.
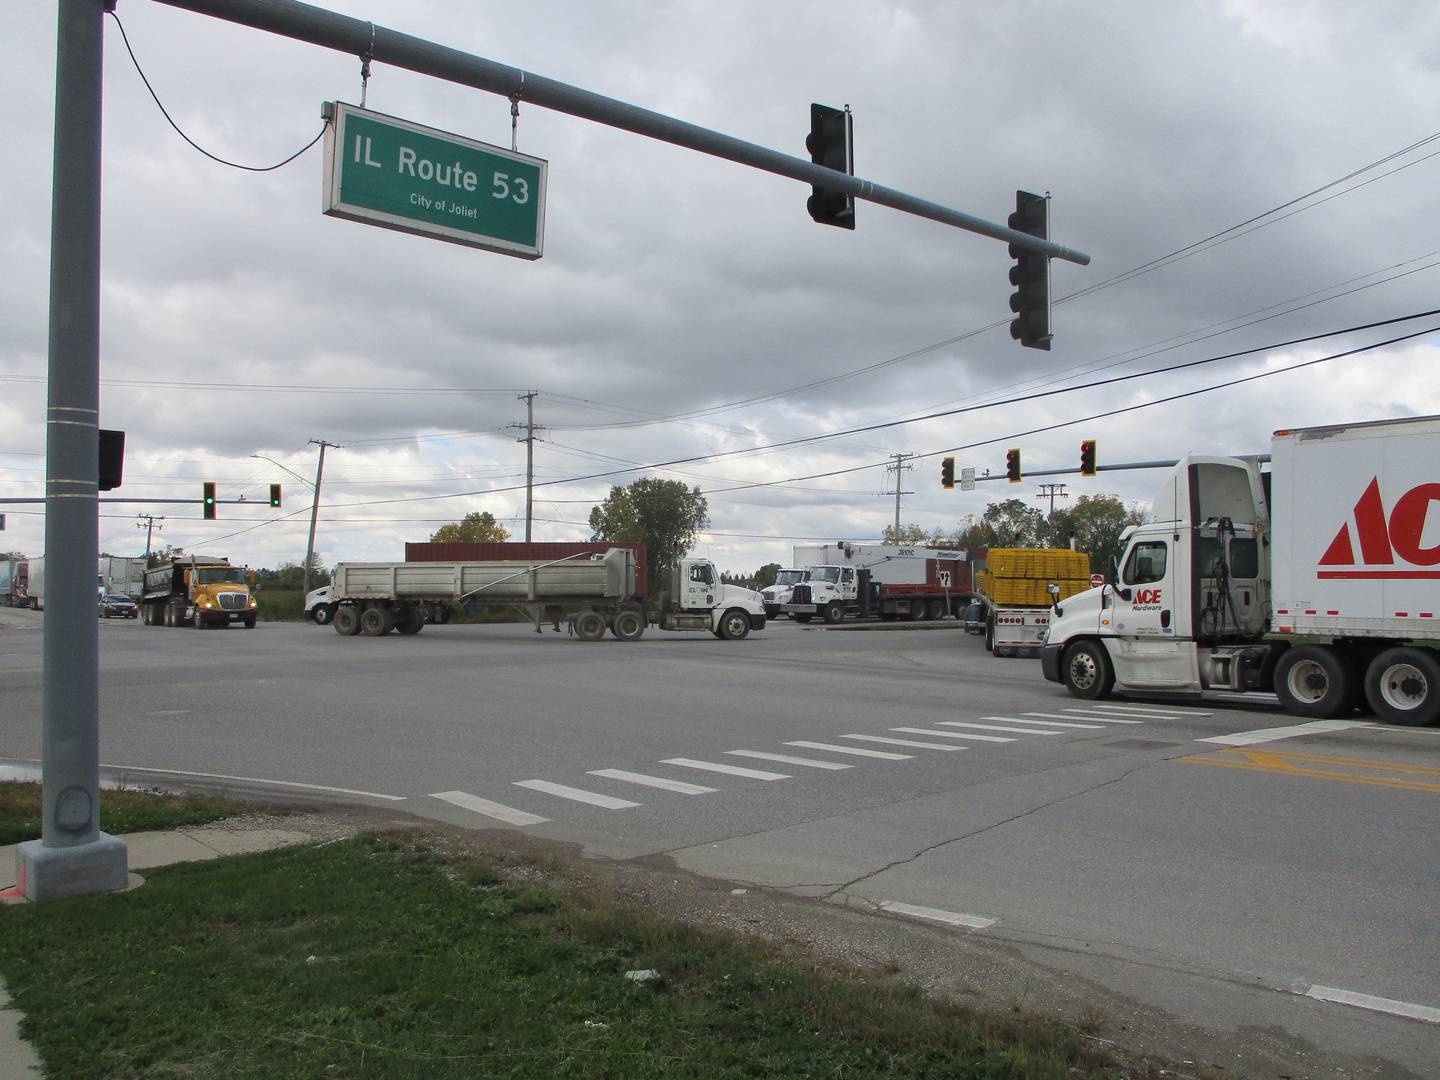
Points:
(1319, 581)
(777, 595)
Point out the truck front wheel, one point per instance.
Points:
(1087, 671)
(1317, 682)
(1403, 686)
(834, 613)
(735, 624)
(322, 614)
(347, 620)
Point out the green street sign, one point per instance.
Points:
(389, 172)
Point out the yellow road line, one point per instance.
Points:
(1290, 764)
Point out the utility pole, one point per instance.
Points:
(149, 527)
(314, 515)
(529, 441)
(897, 469)
(1052, 492)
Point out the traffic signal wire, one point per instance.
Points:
(166, 113)
(809, 439)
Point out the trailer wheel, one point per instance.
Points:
(347, 620)
(629, 625)
(834, 613)
(1087, 671)
(590, 626)
(1402, 685)
(410, 619)
(1317, 682)
(323, 614)
(917, 610)
(935, 609)
(735, 624)
(990, 633)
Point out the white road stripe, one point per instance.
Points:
(498, 811)
(1178, 710)
(993, 727)
(855, 750)
(730, 770)
(255, 780)
(950, 918)
(1375, 1004)
(1264, 735)
(576, 794)
(790, 759)
(1044, 723)
(653, 781)
(1076, 714)
(952, 734)
(902, 742)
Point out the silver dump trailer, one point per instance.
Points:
(592, 593)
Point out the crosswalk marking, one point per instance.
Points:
(1045, 723)
(951, 918)
(498, 811)
(731, 770)
(902, 742)
(653, 781)
(576, 794)
(1169, 711)
(1264, 735)
(993, 727)
(856, 750)
(1076, 714)
(952, 734)
(790, 759)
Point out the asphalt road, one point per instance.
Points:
(1231, 885)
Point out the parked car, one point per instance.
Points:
(121, 607)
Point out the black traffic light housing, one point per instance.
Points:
(112, 459)
(1012, 465)
(947, 473)
(207, 498)
(1031, 274)
(275, 495)
(831, 145)
(1087, 458)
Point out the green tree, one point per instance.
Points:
(1094, 523)
(477, 527)
(765, 576)
(1013, 523)
(911, 535)
(665, 515)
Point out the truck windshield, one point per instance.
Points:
(789, 577)
(825, 573)
(220, 575)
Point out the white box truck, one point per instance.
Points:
(1318, 580)
(891, 582)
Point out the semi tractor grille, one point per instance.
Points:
(801, 595)
(232, 601)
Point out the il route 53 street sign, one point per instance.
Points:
(399, 175)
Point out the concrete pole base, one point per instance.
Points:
(53, 873)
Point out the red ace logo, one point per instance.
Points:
(1149, 597)
(1393, 541)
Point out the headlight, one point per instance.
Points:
(205, 601)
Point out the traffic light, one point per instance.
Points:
(275, 495)
(207, 497)
(947, 473)
(1012, 465)
(1087, 458)
(830, 145)
(1031, 274)
(112, 459)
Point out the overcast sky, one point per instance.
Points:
(238, 320)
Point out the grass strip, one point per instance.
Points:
(381, 957)
(121, 810)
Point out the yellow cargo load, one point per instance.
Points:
(1027, 592)
(1053, 564)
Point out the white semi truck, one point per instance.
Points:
(592, 592)
(892, 582)
(1318, 580)
(776, 596)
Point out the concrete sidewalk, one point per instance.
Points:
(145, 850)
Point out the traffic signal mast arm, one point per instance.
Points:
(1030, 473)
(358, 37)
